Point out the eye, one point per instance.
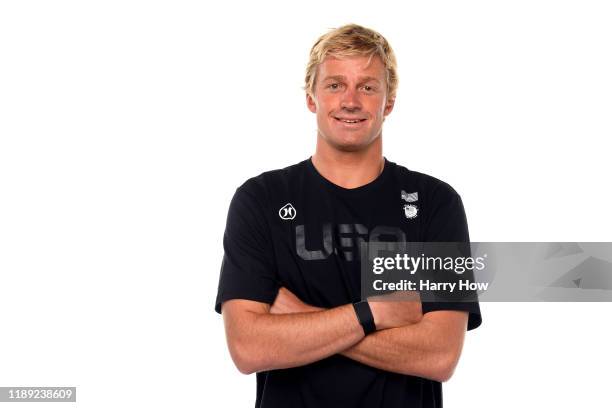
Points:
(334, 86)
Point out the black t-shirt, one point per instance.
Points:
(294, 228)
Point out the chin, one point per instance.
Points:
(348, 142)
(350, 145)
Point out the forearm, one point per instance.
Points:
(264, 341)
(412, 350)
(425, 349)
(430, 348)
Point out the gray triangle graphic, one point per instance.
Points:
(592, 273)
(569, 248)
(561, 249)
(552, 249)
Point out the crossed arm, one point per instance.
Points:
(429, 348)
(291, 333)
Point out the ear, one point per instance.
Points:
(389, 106)
(310, 102)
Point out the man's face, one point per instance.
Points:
(351, 101)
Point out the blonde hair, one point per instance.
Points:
(352, 40)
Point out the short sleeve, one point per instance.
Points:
(248, 268)
(447, 222)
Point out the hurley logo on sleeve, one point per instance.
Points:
(287, 212)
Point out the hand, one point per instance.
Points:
(287, 302)
(396, 309)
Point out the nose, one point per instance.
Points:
(350, 100)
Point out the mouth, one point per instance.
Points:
(349, 121)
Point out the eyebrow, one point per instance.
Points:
(342, 78)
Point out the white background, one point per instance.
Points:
(126, 126)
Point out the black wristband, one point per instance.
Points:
(364, 314)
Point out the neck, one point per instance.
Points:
(349, 169)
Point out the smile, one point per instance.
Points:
(349, 120)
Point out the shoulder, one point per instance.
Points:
(273, 177)
(271, 182)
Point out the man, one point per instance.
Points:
(289, 287)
